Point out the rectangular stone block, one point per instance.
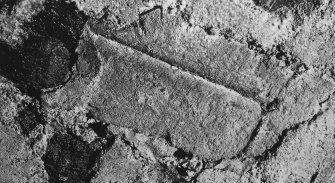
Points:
(150, 96)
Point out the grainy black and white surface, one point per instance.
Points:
(167, 91)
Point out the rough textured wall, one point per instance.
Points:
(170, 91)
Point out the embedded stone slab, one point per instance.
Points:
(148, 95)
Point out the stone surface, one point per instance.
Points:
(167, 91)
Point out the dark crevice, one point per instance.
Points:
(183, 167)
(209, 30)
(128, 143)
(100, 128)
(182, 171)
(203, 168)
(314, 176)
(181, 154)
(90, 115)
(298, 6)
(277, 51)
(256, 47)
(271, 106)
(285, 56)
(109, 142)
(168, 138)
(314, 118)
(151, 10)
(102, 131)
(227, 33)
(169, 174)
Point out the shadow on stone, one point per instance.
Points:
(46, 57)
(43, 62)
(69, 159)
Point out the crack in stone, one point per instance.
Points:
(275, 147)
(282, 137)
(326, 100)
(252, 138)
